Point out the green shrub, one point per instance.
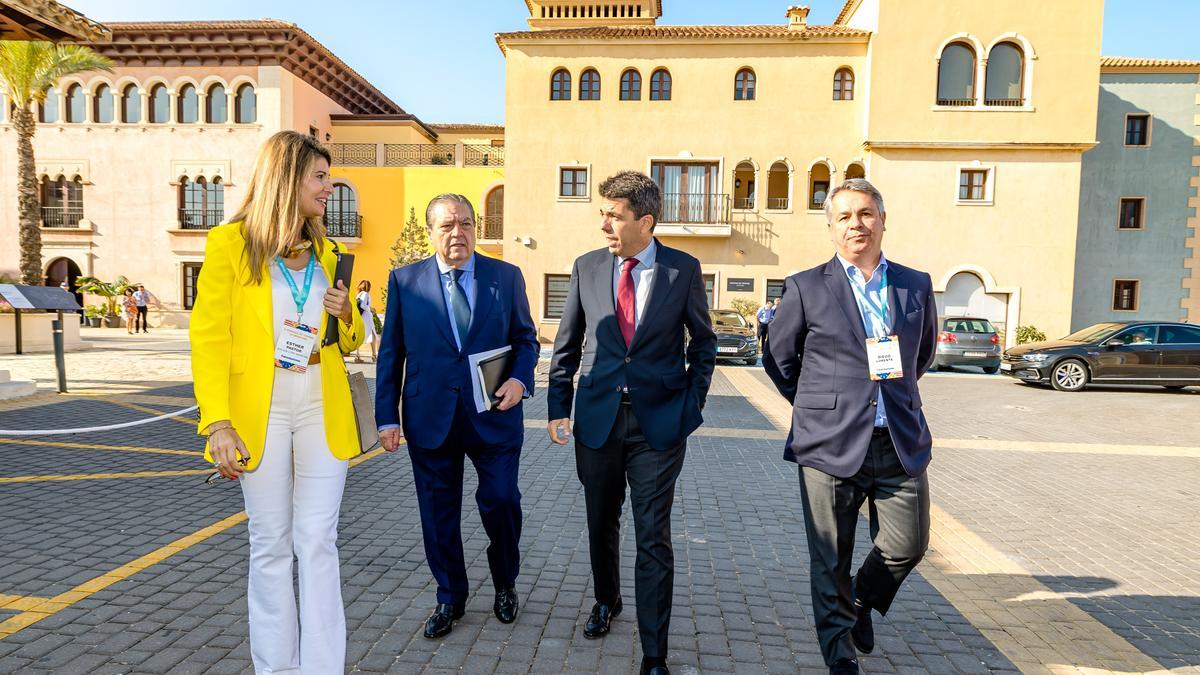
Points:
(1029, 334)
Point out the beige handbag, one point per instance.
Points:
(364, 411)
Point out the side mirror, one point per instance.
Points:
(1114, 342)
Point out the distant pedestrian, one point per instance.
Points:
(363, 302)
(129, 306)
(141, 296)
(764, 316)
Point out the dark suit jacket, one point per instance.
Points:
(667, 396)
(418, 345)
(817, 357)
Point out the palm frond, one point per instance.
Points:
(28, 69)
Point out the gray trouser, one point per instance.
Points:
(899, 513)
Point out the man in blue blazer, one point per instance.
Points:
(440, 311)
(847, 345)
(628, 313)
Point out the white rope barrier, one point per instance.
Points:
(84, 430)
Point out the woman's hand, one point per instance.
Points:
(337, 303)
(228, 452)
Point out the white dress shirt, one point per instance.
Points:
(643, 277)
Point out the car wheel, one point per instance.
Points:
(991, 370)
(1069, 375)
(751, 362)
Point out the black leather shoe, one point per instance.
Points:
(505, 607)
(844, 666)
(863, 632)
(441, 622)
(654, 666)
(600, 620)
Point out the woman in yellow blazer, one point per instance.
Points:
(275, 404)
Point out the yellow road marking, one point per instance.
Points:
(19, 603)
(36, 609)
(156, 413)
(93, 446)
(1037, 630)
(101, 476)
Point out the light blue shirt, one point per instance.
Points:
(643, 276)
(467, 281)
(872, 294)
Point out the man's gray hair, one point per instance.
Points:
(447, 198)
(853, 185)
(644, 195)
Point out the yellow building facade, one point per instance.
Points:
(971, 121)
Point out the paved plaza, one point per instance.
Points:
(1064, 539)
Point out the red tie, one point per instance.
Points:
(625, 300)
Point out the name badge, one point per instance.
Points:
(296, 343)
(883, 356)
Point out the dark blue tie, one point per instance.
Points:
(462, 310)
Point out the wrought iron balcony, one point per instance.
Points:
(416, 154)
(1004, 102)
(699, 208)
(956, 102)
(346, 224)
(489, 227)
(200, 219)
(483, 155)
(59, 216)
(353, 154)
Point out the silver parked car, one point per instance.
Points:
(968, 341)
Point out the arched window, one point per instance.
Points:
(778, 198)
(131, 105)
(103, 108)
(215, 108)
(48, 109)
(160, 105)
(75, 104)
(818, 185)
(744, 189)
(492, 226)
(843, 85)
(855, 170)
(589, 85)
(631, 85)
(743, 85)
(1005, 76)
(187, 104)
(660, 85)
(956, 75)
(62, 202)
(201, 203)
(245, 105)
(560, 85)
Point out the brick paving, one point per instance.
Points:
(1114, 535)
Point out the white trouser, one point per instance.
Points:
(292, 500)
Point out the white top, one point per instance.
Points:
(364, 298)
(284, 307)
(643, 276)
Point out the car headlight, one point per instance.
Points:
(1036, 358)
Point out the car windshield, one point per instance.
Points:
(967, 326)
(732, 319)
(1095, 333)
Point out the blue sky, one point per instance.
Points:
(439, 60)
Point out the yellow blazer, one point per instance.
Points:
(233, 349)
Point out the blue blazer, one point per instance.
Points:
(817, 357)
(417, 352)
(667, 393)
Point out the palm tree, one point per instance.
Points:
(27, 70)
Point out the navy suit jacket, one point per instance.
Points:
(666, 393)
(817, 357)
(417, 352)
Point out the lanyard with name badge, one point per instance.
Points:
(296, 340)
(883, 353)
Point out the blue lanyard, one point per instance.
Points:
(300, 297)
(864, 300)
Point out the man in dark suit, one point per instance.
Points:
(623, 328)
(440, 311)
(847, 345)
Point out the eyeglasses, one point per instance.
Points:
(212, 477)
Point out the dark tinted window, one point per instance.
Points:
(968, 326)
(1096, 332)
(728, 319)
(1178, 335)
(1139, 335)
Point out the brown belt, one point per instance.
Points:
(314, 358)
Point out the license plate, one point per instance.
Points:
(972, 355)
(727, 350)
(1006, 367)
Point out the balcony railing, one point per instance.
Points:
(347, 224)
(695, 208)
(353, 154)
(778, 203)
(413, 154)
(743, 203)
(490, 227)
(1004, 102)
(200, 219)
(956, 102)
(58, 216)
(483, 155)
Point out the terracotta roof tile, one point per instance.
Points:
(759, 32)
(1164, 64)
(845, 13)
(468, 126)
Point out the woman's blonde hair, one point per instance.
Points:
(270, 213)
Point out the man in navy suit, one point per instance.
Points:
(440, 311)
(847, 345)
(623, 328)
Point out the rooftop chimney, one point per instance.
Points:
(797, 17)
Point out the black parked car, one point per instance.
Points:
(736, 339)
(1119, 352)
